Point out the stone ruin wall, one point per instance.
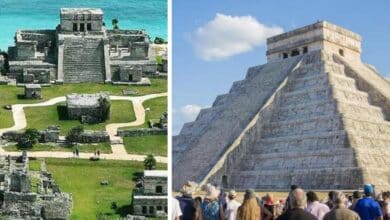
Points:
(259, 85)
(321, 35)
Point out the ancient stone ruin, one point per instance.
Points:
(152, 197)
(21, 199)
(88, 108)
(81, 49)
(32, 91)
(314, 115)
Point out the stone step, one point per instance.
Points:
(349, 95)
(263, 149)
(310, 109)
(306, 95)
(312, 178)
(318, 69)
(303, 125)
(360, 110)
(333, 157)
(313, 140)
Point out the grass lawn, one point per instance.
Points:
(9, 94)
(42, 117)
(34, 165)
(82, 179)
(86, 148)
(153, 144)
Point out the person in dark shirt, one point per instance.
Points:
(297, 202)
(186, 202)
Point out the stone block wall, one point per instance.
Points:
(83, 60)
(131, 132)
(149, 206)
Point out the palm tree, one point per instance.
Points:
(150, 162)
(115, 23)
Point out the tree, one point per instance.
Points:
(28, 138)
(74, 133)
(150, 162)
(115, 23)
(159, 40)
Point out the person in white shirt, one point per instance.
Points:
(231, 206)
(176, 211)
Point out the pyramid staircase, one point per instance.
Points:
(323, 132)
(83, 60)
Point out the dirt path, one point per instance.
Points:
(118, 149)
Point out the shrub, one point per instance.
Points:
(159, 40)
(150, 162)
(74, 133)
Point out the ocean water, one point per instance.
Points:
(150, 15)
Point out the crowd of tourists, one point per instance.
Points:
(299, 205)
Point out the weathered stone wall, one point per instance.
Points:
(81, 16)
(149, 206)
(93, 137)
(151, 183)
(17, 69)
(83, 60)
(200, 143)
(41, 37)
(58, 207)
(132, 132)
(321, 35)
(75, 113)
(319, 132)
(26, 50)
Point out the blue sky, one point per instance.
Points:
(196, 81)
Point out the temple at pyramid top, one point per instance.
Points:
(321, 35)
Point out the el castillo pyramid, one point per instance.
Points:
(314, 115)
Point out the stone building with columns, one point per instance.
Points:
(80, 49)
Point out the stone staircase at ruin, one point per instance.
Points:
(322, 132)
(229, 114)
(83, 60)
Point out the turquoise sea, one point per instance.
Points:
(150, 15)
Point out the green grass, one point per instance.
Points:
(41, 117)
(9, 94)
(34, 165)
(153, 144)
(82, 179)
(86, 148)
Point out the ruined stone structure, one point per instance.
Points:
(32, 91)
(80, 49)
(22, 200)
(315, 115)
(152, 198)
(88, 108)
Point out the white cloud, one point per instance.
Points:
(226, 35)
(184, 114)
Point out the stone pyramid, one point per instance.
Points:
(314, 115)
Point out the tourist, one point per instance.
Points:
(211, 208)
(355, 197)
(340, 212)
(329, 203)
(292, 188)
(249, 210)
(267, 207)
(77, 152)
(297, 200)
(232, 206)
(314, 206)
(198, 208)
(98, 153)
(186, 202)
(385, 205)
(176, 212)
(367, 207)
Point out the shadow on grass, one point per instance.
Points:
(137, 176)
(21, 96)
(62, 113)
(124, 210)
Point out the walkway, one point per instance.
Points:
(118, 149)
